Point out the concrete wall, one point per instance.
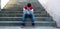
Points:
(0, 4)
(53, 8)
(3, 3)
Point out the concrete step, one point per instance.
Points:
(27, 0)
(42, 12)
(20, 15)
(18, 23)
(33, 3)
(18, 12)
(20, 19)
(21, 9)
(21, 4)
(13, 7)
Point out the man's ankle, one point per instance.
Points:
(23, 24)
(33, 24)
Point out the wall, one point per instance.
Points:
(0, 5)
(53, 8)
(3, 3)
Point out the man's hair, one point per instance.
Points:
(29, 4)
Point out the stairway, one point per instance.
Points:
(11, 15)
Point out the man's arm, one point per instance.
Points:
(24, 8)
(31, 8)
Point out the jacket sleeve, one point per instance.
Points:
(31, 8)
(25, 7)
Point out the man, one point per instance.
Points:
(28, 12)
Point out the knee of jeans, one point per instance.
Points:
(32, 21)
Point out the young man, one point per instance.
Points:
(28, 12)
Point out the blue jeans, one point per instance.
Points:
(25, 15)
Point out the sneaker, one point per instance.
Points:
(33, 24)
(23, 25)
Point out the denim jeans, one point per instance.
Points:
(25, 15)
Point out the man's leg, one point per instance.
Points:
(24, 19)
(32, 18)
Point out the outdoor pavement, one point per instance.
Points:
(19, 27)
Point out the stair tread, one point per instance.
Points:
(14, 11)
(21, 17)
(22, 14)
(27, 22)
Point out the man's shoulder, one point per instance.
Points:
(25, 7)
